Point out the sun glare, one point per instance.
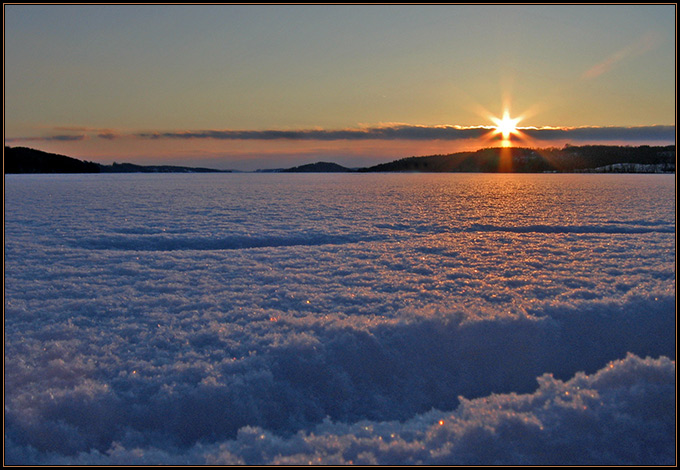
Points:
(506, 126)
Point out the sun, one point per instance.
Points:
(506, 126)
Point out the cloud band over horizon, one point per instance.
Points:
(391, 132)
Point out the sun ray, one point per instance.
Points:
(506, 126)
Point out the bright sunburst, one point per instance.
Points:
(506, 126)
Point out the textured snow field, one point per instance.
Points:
(336, 319)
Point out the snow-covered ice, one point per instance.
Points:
(339, 318)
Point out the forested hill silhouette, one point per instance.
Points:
(319, 167)
(568, 159)
(27, 160)
(132, 168)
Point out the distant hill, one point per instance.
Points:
(132, 168)
(568, 159)
(27, 160)
(319, 167)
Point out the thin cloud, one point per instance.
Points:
(109, 135)
(53, 138)
(639, 47)
(640, 133)
(400, 132)
(72, 133)
(411, 132)
(389, 132)
(86, 129)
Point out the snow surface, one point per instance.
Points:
(339, 318)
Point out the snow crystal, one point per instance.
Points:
(289, 319)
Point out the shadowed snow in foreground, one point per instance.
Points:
(261, 319)
(624, 413)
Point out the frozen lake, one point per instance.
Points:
(340, 318)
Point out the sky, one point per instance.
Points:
(250, 87)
